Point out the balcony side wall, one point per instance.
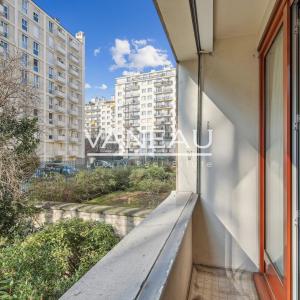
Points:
(228, 219)
(187, 106)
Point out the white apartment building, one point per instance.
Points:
(100, 116)
(55, 61)
(146, 107)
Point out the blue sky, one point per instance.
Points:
(121, 36)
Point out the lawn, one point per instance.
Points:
(130, 199)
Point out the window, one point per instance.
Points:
(4, 46)
(36, 81)
(24, 41)
(24, 59)
(36, 47)
(36, 17)
(50, 102)
(24, 25)
(35, 65)
(35, 112)
(50, 26)
(25, 6)
(51, 72)
(5, 29)
(50, 118)
(51, 87)
(6, 11)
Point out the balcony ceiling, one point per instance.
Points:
(217, 19)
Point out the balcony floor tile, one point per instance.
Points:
(221, 284)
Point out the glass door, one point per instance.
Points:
(274, 155)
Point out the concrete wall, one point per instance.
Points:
(227, 219)
(123, 220)
(187, 106)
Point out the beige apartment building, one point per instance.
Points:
(146, 107)
(55, 61)
(100, 116)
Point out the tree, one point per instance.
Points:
(18, 141)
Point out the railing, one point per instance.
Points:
(140, 266)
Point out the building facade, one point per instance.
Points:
(100, 116)
(146, 112)
(55, 62)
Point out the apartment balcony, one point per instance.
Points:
(61, 138)
(59, 153)
(73, 139)
(74, 72)
(61, 64)
(163, 115)
(74, 59)
(165, 98)
(132, 95)
(73, 99)
(60, 94)
(61, 79)
(60, 124)
(73, 112)
(74, 86)
(60, 49)
(73, 125)
(163, 83)
(60, 109)
(132, 88)
(60, 35)
(164, 91)
(2, 31)
(162, 122)
(159, 106)
(75, 46)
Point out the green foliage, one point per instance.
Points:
(154, 180)
(45, 264)
(88, 185)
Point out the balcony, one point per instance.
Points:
(75, 46)
(60, 49)
(1, 10)
(73, 99)
(74, 86)
(142, 264)
(60, 94)
(163, 83)
(60, 138)
(132, 88)
(61, 64)
(73, 139)
(60, 123)
(74, 59)
(61, 79)
(73, 112)
(60, 109)
(2, 31)
(163, 91)
(73, 125)
(74, 72)
(60, 35)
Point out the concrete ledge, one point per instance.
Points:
(139, 266)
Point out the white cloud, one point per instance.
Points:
(119, 51)
(137, 55)
(102, 87)
(97, 51)
(88, 86)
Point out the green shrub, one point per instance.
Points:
(90, 184)
(45, 264)
(122, 178)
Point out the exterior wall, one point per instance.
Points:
(146, 103)
(229, 187)
(60, 112)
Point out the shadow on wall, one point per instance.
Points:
(229, 184)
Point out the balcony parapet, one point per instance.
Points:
(140, 265)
